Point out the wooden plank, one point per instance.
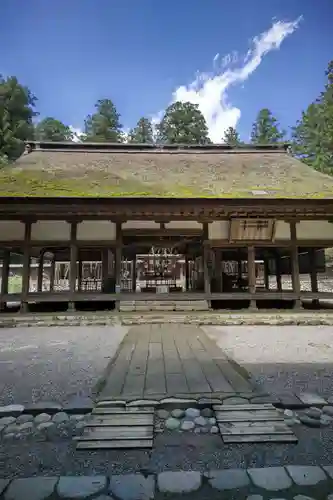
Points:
(95, 445)
(100, 410)
(265, 429)
(248, 407)
(263, 438)
(122, 420)
(245, 418)
(267, 413)
(118, 433)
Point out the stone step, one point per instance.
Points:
(164, 305)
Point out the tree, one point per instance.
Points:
(142, 133)
(265, 129)
(16, 113)
(313, 133)
(51, 129)
(183, 123)
(104, 125)
(231, 137)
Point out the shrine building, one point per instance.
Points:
(142, 227)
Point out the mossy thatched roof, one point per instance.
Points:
(124, 170)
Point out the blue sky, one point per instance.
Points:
(232, 58)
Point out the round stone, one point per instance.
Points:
(214, 429)
(197, 430)
(310, 422)
(177, 413)
(45, 426)
(172, 424)
(9, 436)
(328, 410)
(313, 412)
(42, 418)
(60, 417)
(212, 421)
(10, 428)
(291, 421)
(7, 421)
(207, 412)
(204, 430)
(326, 420)
(187, 425)
(25, 417)
(288, 413)
(26, 427)
(201, 421)
(192, 412)
(76, 418)
(163, 414)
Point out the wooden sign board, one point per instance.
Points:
(251, 230)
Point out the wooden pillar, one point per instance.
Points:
(52, 273)
(40, 271)
(239, 264)
(206, 250)
(278, 272)
(187, 273)
(218, 268)
(312, 254)
(295, 265)
(118, 258)
(251, 273)
(79, 274)
(266, 273)
(73, 266)
(26, 267)
(134, 273)
(4, 277)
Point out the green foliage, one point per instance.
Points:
(231, 137)
(265, 130)
(104, 125)
(16, 113)
(51, 129)
(313, 133)
(142, 133)
(183, 123)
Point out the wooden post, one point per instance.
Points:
(105, 269)
(251, 272)
(4, 277)
(26, 267)
(266, 273)
(295, 265)
(206, 250)
(40, 271)
(278, 272)
(118, 258)
(134, 273)
(239, 265)
(218, 268)
(187, 273)
(79, 274)
(312, 254)
(73, 267)
(52, 273)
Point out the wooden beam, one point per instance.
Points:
(295, 264)
(26, 267)
(73, 265)
(4, 277)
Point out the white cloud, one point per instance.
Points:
(210, 91)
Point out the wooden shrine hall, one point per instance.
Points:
(87, 225)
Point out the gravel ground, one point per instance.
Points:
(54, 364)
(282, 359)
(172, 451)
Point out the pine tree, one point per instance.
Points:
(104, 125)
(142, 133)
(231, 137)
(183, 123)
(265, 130)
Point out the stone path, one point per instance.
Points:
(293, 481)
(157, 361)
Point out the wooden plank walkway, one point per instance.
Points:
(252, 424)
(118, 427)
(157, 361)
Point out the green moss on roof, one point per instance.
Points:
(186, 174)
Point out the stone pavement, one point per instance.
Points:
(290, 482)
(158, 361)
